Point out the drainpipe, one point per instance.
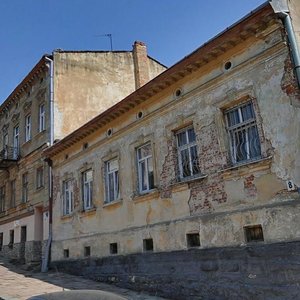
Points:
(46, 255)
(280, 8)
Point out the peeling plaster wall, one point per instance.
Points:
(220, 203)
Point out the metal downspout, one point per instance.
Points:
(46, 256)
(281, 9)
(293, 44)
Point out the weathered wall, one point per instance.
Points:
(225, 199)
(263, 272)
(94, 81)
(26, 214)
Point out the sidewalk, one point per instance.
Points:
(16, 284)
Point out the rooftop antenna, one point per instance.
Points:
(109, 35)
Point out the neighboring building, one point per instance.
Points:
(205, 157)
(61, 93)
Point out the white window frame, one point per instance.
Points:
(87, 189)
(144, 161)
(27, 128)
(68, 204)
(16, 142)
(113, 185)
(25, 187)
(39, 177)
(41, 117)
(242, 126)
(188, 146)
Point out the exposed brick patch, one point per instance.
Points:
(288, 82)
(211, 159)
(169, 171)
(207, 193)
(249, 186)
(204, 194)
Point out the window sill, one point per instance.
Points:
(25, 144)
(40, 133)
(260, 164)
(66, 217)
(114, 203)
(183, 183)
(145, 197)
(38, 189)
(88, 212)
(12, 210)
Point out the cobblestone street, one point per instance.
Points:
(18, 284)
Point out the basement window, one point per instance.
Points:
(113, 248)
(66, 253)
(147, 245)
(193, 240)
(87, 251)
(254, 233)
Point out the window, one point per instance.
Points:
(187, 153)
(243, 133)
(39, 177)
(25, 187)
(66, 253)
(145, 168)
(193, 240)
(148, 244)
(41, 117)
(87, 251)
(87, 189)
(113, 248)
(67, 197)
(11, 238)
(5, 145)
(254, 233)
(2, 198)
(13, 193)
(28, 128)
(16, 142)
(112, 180)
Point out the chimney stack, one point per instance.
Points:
(141, 64)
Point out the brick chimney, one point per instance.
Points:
(141, 64)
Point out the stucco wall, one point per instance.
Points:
(224, 198)
(87, 83)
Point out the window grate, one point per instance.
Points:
(243, 133)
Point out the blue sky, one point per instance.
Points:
(170, 28)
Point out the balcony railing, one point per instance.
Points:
(8, 156)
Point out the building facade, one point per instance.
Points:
(188, 186)
(62, 92)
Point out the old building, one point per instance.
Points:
(204, 158)
(62, 92)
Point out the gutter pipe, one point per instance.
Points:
(46, 256)
(281, 9)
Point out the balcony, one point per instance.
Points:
(8, 157)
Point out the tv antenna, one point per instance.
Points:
(109, 35)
